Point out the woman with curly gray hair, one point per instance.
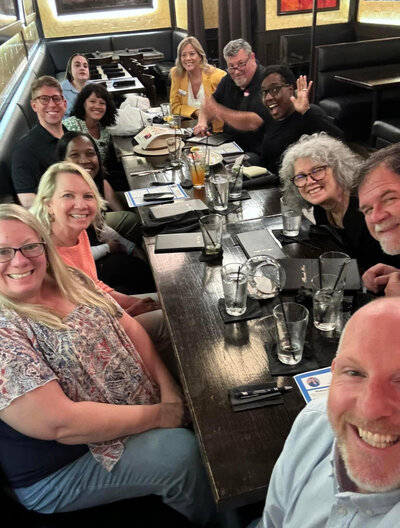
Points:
(321, 171)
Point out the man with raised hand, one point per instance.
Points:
(341, 462)
(36, 151)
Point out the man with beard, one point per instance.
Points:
(237, 99)
(340, 465)
(379, 198)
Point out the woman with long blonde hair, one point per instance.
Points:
(192, 80)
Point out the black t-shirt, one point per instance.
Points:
(357, 241)
(280, 134)
(32, 156)
(247, 100)
(26, 460)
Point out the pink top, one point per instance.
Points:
(81, 257)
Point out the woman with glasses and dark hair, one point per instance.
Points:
(76, 77)
(287, 101)
(93, 112)
(320, 171)
(192, 80)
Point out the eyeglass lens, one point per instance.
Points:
(317, 173)
(45, 99)
(28, 251)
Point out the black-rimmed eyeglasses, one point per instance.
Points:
(316, 174)
(28, 250)
(239, 66)
(274, 89)
(45, 99)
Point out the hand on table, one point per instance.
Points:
(140, 306)
(377, 277)
(301, 103)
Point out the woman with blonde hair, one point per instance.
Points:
(67, 203)
(192, 80)
(88, 412)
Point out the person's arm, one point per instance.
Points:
(111, 197)
(245, 121)
(132, 305)
(376, 278)
(26, 199)
(47, 413)
(144, 346)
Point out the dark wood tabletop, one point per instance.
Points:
(375, 78)
(239, 448)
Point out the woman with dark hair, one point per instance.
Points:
(93, 112)
(76, 77)
(192, 80)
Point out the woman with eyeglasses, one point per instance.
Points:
(76, 77)
(192, 80)
(89, 414)
(291, 114)
(320, 171)
(94, 112)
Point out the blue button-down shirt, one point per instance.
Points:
(308, 484)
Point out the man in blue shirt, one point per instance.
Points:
(340, 466)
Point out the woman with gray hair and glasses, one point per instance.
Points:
(320, 171)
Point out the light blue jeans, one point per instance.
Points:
(164, 462)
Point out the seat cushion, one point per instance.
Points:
(387, 129)
(343, 106)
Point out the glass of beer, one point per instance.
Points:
(196, 161)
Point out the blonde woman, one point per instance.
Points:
(67, 203)
(193, 80)
(88, 412)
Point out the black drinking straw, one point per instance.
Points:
(237, 285)
(340, 275)
(207, 231)
(286, 324)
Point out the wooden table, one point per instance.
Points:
(375, 78)
(150, 54)
(239, 449)
(119, 85)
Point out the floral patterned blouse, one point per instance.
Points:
(79, 125)
(92, 360)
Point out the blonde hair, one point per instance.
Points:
(47, 187)
(198, 48)
(65, 279)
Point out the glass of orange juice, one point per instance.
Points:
(196, 160)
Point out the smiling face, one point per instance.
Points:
(325, 192)
(81, 151)
(364, 397)
(73, 206)
(241, 68)
(379, 197)
(190, 59)
(51, 114)
(95, 107)
(21, 278)
(79, 69)
(279, 105)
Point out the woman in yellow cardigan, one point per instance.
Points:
(192, 80)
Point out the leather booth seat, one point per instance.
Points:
(386, 132)
(350, 106)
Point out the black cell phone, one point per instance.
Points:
(164, 196)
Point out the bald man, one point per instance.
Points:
(340, 466)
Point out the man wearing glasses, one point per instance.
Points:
(237, 101)
(292, 115)
(35, 152)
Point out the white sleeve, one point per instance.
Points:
(100, 251)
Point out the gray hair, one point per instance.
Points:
(388, 156)
(234, 46)
(323, 149)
